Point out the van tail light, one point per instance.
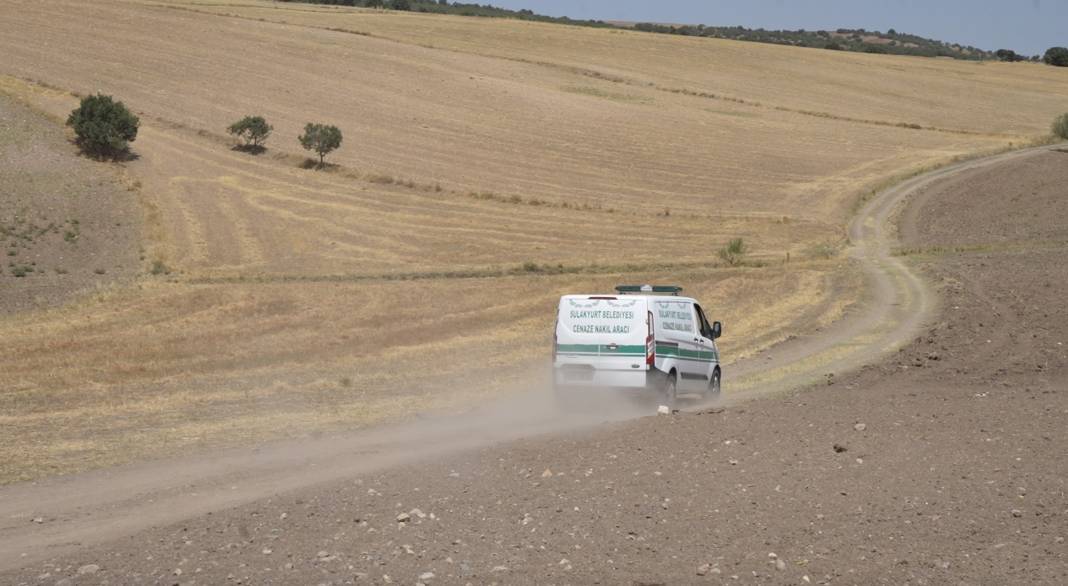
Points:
(650, 341)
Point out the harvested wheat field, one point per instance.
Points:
(488, 167)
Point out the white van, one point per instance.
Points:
(643, 338)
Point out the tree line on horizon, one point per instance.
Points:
(856, 40)
(458, 8)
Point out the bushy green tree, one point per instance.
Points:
(104, 127)
(1060, 126)
(320, 138)
(734, 252)
(254, 130)
(1057, 56)
(1009, 55)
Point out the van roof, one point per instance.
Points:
(648, 289)
(611, 296)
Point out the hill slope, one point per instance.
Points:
(488, 167)
(66, 225)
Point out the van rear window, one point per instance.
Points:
(602, 316)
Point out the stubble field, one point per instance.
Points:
(488, 167)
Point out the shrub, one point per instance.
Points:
(381, 179)
(1057, 56)
(158, 268)
(733, 252)
(254, 130)
(825, 250)
(1009, 55)
(320, 138)
(104, 127)
(1060, 126)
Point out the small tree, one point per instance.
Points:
(254, 130)
(1057, 56)
(1060, 126)
(733, 252)
(104, 127)
(320, 138)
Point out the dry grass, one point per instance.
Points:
(300, 301)
(488, 109)
(156, 370)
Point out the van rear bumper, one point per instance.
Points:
(571, 377)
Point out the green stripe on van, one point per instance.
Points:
(600, 350)
(694, 355)
(661, 350)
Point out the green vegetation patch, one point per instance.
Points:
(607, 95)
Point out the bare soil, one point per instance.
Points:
(67, 224)
(943, 464)
(1029, 207)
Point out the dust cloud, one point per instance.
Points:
(97, 506)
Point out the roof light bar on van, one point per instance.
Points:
(672, 289)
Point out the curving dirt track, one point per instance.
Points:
(103, 506)
(898, 301)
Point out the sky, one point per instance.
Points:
(1028, 27)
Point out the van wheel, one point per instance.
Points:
(714, 385)
(670, 393)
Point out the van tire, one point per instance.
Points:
(670, 392)
(716, 384)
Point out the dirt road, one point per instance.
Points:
(940, 464)
(61, 516)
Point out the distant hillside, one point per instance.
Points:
(458, 8)
(857, 40)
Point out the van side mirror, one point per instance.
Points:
(717, 330)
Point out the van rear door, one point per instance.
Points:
(601, 340)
